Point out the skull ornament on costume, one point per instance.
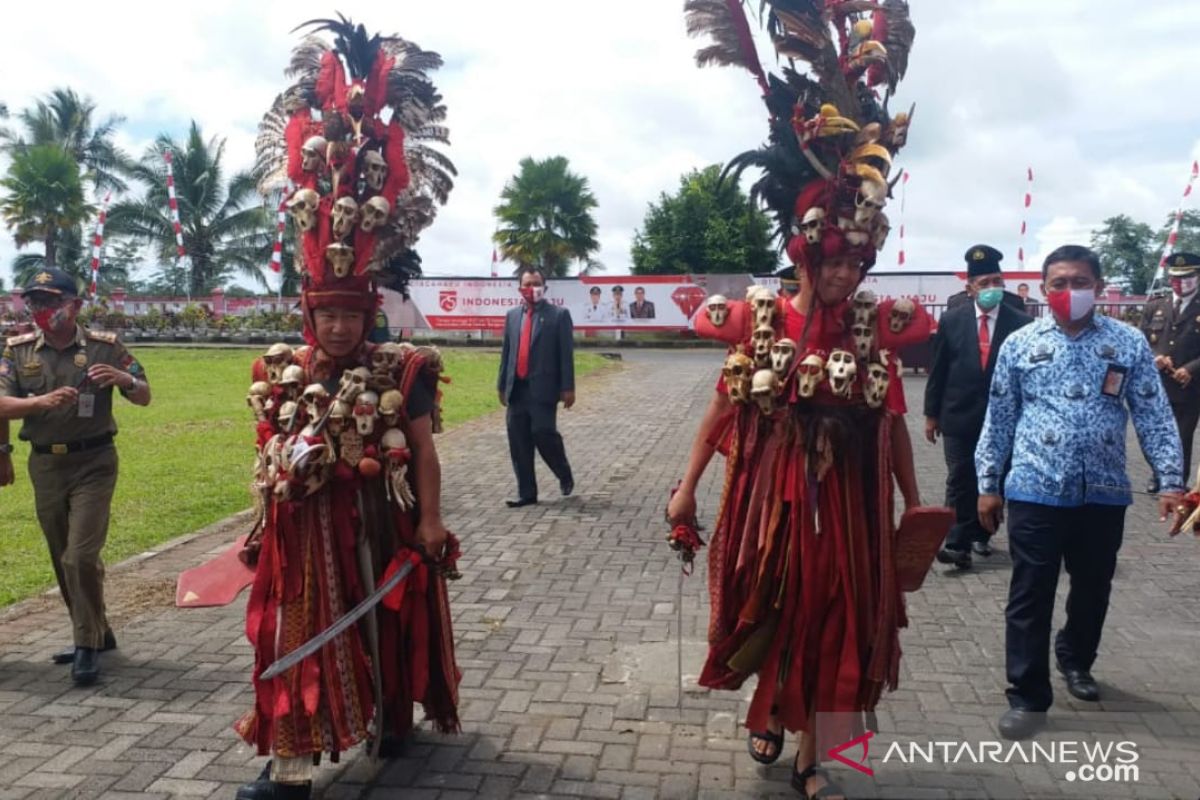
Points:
(391, 403)
(340, 258)
(842, 371)
(809, 374)
(737, 372)
(876, 385)
(257, 397)
(866, 308)
(763, 338)
(277, 357)
(375, 169)
(364, 412)
(717, 309)
(764, 388)
(811, 225)
(339, 414)
(353, 383)
(783, 353)
(901, 314)
(880, 230)
(763, 300)
(315, 400)
(303, 208)
(864, 339)
(312, 154)
(343, 217)
(868, 202)
(292, 381)
(395, 449)
(374, 214)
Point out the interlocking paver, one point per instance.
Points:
(566, 626)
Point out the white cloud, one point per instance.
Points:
(1096, 96)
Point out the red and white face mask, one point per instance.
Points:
(50, 319)
(1184, 286)
(533, 294)
(1071, 305)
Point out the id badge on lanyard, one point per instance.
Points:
(86, 408)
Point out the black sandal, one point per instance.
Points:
(800, 783)
(773, 739)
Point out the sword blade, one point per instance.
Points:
(324, 637)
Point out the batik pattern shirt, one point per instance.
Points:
(1059, 406)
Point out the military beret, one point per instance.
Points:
(982, 260)
(51, 280)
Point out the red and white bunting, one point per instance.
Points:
(98, 241)
(174, 204)
(1173, 236)
(903, 184)
(1024, 222)
(280, 224)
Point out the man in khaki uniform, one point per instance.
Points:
(59, 380)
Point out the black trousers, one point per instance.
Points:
(533, 425)
(1041, 538)
(1186, 415)
(962, 493)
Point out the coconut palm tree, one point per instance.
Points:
(224, 230)
(73, 255)
(43, 197)
(68, 120)
(545, 217)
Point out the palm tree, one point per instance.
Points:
(223, 230)
(43, 197)
(66, 119)
(73, 255)
(545, 217)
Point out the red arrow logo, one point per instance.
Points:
(836, 753)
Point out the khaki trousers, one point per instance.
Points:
(73, 493)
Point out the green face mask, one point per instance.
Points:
(989, 298)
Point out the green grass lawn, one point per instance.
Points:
(186, 459)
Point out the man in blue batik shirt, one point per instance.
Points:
(1063, 390)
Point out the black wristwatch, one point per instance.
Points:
(6, 449)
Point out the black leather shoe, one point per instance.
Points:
(521, 502)
(1081, 684)
(1018, 723)
(982, 549)
(567, 487)
(85, 669)
(67, 654)
(266, 789)
(959, 558)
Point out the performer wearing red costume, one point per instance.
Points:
(348, 476)
(802, 572)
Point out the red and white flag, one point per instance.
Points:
(174, 205)
(1173, 236)
(903, 184)
(280, 224)
(98, 242)
(1024, 223)
(494, 273)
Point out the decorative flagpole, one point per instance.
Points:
(903, 185)
(494, 262)
(98, 242)
(174, 204)
(1173, 236)
(1024, 221)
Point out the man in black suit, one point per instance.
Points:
(964, 355)
(537, 370)
(641, 308)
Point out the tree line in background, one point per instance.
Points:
(1130, 250)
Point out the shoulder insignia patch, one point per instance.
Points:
(24, 338)
(102, 336)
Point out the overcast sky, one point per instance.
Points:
(1098, 96)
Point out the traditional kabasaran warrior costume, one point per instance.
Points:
(340, 505)
(802, 573)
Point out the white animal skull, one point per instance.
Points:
(364, 412)
(375, 169)
(718, 310)
(809, 373)
(880, 231)
(869, 201)
(763, 301)
(876, 385)
(344, 215)
(901, 314)
(278, 356)
(812, 223)
(391, 403)
(374, 213)
(866, 307)
(353, 383)
(303, 208)
(340, 258)
(764, 388)
(257, 399)
(339, 414)
(287, 415)
(312, 154)
(396, 453)
(842, 371)
(737, 371)
(864, 338)
(783, 353)
(763, 338)
(315, 400)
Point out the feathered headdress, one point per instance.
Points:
(826, 162)
(350, 143)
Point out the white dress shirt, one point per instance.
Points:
(991, 318)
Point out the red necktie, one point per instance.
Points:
(985, 342)
(523, 349)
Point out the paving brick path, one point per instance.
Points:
(565, 621)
